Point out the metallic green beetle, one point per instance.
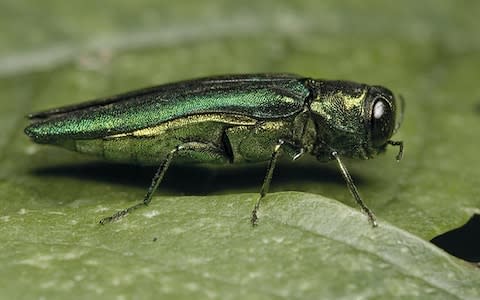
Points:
(228, 119)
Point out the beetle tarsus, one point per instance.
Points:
(122, 213)
(254, 218)
(115, 217)
(371, 217)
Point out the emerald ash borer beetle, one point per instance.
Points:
(228, 119)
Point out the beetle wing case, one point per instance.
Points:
(262, 96)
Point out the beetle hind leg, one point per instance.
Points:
(160, 173)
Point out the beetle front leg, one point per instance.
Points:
(354, 191)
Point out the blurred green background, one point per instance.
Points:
(195, 240)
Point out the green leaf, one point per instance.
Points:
(195, 240)
(306, 246)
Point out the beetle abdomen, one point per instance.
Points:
(143, 151)
(150, 146)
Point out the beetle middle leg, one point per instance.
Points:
(268, 176)
(157, 178)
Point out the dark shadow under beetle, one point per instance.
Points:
(200, 179)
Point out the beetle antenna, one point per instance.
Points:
(402, 109)
(400, 150)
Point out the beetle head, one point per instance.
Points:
(381, 123)
(355, 120)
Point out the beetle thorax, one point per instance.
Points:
(337, 110)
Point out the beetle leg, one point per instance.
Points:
(400, 150)
(354, 191)
(157, 178)
(290, 148)
(266, 181)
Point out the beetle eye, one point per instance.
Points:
(382, 121)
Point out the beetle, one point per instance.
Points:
(229, 119)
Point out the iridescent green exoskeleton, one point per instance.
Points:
(228, 119)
